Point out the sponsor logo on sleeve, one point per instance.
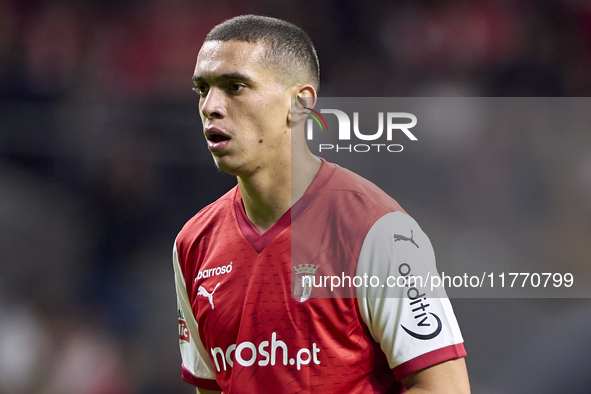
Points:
(428, 324)
(183, 329)
(398, 237)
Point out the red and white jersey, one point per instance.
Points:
(255, 316)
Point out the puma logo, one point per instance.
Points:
(202, 292)
(398, 237)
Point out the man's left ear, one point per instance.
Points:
(306, 98)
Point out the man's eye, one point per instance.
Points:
(200, 89)
(236, 87)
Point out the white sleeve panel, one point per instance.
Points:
(404, 316)
(193, 353)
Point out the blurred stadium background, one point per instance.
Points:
(102, 161)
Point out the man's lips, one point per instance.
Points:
(216, 135)
(217, 140)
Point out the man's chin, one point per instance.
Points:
(226, 167)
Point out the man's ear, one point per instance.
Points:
(306, 98)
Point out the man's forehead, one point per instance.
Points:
(222, 57)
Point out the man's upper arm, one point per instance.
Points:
(450, 377)
(197, 368)
(414, 324)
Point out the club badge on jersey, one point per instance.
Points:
(304, 281)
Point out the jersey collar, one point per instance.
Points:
(260, 241)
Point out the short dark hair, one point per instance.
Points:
(288, 48)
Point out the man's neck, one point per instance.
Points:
(268, 195)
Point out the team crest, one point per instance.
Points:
(304, 281)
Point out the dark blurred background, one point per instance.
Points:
(102, 161)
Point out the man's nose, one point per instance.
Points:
(213, 105)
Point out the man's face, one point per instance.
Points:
(243, 108)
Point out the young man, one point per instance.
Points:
(244, 328)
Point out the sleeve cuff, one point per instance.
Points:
(207, 384)
(429, 359)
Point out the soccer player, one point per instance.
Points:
(248, 321)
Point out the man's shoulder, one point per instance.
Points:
(347, 182)
(208, 218)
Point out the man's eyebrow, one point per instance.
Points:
(235, 76)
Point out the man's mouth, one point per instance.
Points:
(215, 138)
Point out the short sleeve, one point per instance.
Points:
(197, 368)
(414, 324)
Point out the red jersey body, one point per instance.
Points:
(253, 317)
